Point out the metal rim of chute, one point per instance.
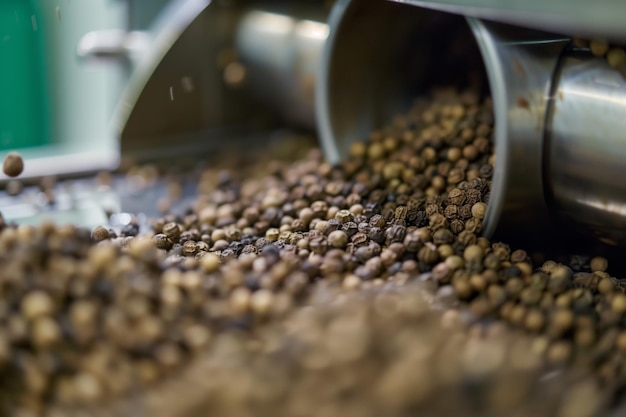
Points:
(170, 26)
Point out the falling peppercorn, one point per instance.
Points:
(13, 164)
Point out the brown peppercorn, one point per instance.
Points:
(606, 286)
(454, 262)
(599, 47)
(457, 226)
(412, 242)
(478, 283)
(261, 302)
(478, 210)
(531, 296)
(470, 152)
(562, 320)
(585, 337)
(442, 237)
(534, 321)
(428, 254)
(445, 251)
(514, 287)
(462, 288)
(196, 336)
(480, 307)
(171, 230)
(45, 332)
(338, 239)
(616, 57)
(13, 164)
(496, 295)
(240, 300)
(441, 272)
(473, 252)
(502, 251)
(519, 256)
(37, 304)
(168, 356)
(456, 197)
(210, 263)
(559, 353)
(598, 264)
(14, 188)
(437, 221)
(467, 238)
(189, 248)
(619, 303)
(100, 233)
(351, 282)
(517, 315)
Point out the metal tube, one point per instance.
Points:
(586, 148)
(379, 57)
(181, 98)
(280, 54)
(600, 18)
(559, 123)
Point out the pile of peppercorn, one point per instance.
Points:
(310, 291)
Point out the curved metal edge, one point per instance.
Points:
(322, 102)
(498, 87)
(520, 66)
(169, 26)
(603, 18)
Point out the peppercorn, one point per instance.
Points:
(599, 47)
(14, 188)
(456, 197)
(619, 303)
(559, 353)
(100, 233)
(13, 164)
(598, 264)
(37, 304)
(616, 57)
(428, 254)
(336, 247)
(462, 288)
(172, 230)
(606, 286)
(534, 321)
(478, 210)
(517, 315)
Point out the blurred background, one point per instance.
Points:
(87, 84)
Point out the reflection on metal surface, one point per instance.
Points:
(312, 30)
(600, 18)
(281, 56)
(560, 155)
(269, 23)
(606, 206)
(117, 44)
(587, 147)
